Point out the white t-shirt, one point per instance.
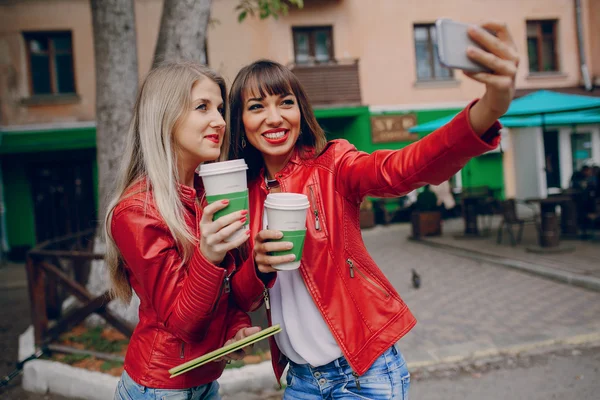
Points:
(305, 337)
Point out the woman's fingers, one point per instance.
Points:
(499, 44)
(501, 82)
(212, 227)
(496, 64)
(209, 211)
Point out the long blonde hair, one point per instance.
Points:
(163, 100)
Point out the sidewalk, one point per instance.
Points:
(470, 307)
(580, 267)
(13, 276)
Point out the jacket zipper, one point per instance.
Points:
(365, 277)
(316, 209)
(225, 287)
(182, 353)
(227, 284)
(266, 297)
(356, 380)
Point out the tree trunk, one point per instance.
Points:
(116, 66)
(116, 85)
(183, 28)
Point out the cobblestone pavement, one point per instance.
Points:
(564, 375)
(462, 306)
(584, 260)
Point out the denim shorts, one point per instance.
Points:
(388, 378)
(127, 389)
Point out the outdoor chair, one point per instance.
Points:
(510, 218)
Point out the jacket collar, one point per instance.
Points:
(294, 161)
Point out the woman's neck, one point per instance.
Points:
(275, 164)
(186, 174)
(187, 178)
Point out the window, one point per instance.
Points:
(541, 46)
(428, 63)
(50, 56)
(581, 149)
(313, 44)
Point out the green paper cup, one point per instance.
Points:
(227, 180)
(286, 212)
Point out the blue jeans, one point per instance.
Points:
(388, 378)
(127, 389)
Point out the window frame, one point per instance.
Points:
(48, 36)
(430, 52)
(539, 37)
(311, 30)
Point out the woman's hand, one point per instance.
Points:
(214, 233)
(262, 248)
(501, 58)
(241, 334)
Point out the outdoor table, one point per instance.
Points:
(470, 204)
(549, 239)
(568, 217)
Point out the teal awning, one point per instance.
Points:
(543, 107)
(568, 118)
(547, 101)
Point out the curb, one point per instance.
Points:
(519, 349)
(587, 282)
(44, 376)
(14, 285)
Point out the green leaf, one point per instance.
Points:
(242, 16)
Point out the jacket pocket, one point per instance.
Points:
(170, 347)
(357, 273)
(315, 220)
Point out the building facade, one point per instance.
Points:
(370, 69)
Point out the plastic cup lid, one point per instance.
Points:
(287, 201)
(222, 167)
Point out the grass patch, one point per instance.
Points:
(108, 365)
(74, 358)
(93, 339)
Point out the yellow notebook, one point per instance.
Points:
(223, 351)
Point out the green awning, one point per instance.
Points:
(543, 107)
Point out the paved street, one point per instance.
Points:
(584, 260)
(567, 375)
(463, 306)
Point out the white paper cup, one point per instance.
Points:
(227, 180)
(286, 212)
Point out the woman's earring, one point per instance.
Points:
(243, 142)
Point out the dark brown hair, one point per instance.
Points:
(265, 77)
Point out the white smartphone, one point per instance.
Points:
(452, 42)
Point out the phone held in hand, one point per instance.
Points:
(452, 42)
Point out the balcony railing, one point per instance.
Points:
(333, 83)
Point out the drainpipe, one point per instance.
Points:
(3, 238)
(585, 73)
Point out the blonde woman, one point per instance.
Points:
(164, 246)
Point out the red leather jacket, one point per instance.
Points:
(362, 309)
(185, 310)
